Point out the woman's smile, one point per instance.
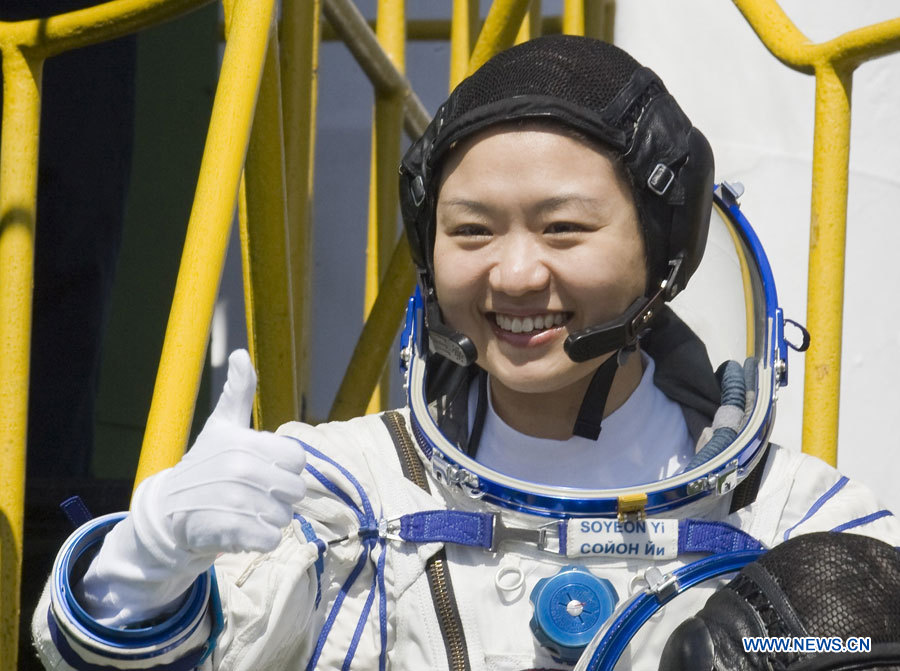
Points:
(530, 329)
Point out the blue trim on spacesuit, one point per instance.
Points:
(865, 519)
(368, 534)
(448, 526)
(337, 491)
(76, 511)
(360, 623)
(332, 615)
(218, 616)
(186, 663)
(133, 644)
(367, 507)
(476, 530)
(382, 606)
(835, 488)
(310, 534)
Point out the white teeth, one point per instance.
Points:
(528, 324)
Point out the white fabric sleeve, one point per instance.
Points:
(802, 494)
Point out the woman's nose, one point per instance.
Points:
(519, 268)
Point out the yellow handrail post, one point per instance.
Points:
(531, 24)
(361, 41)
(45, 37)
(300, 36)
(827, 241)
(499, 30)
(370, 354)
(377, 337)
(573, 17)
(18, 203)
(24, 46)
(387, 128)
(463, 32)
(599, 19)
(265, 255)
(187, 332)
(832, 63)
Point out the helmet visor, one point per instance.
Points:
(731, 306)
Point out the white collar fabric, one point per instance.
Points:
(642, 441)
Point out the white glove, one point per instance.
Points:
(233, 491)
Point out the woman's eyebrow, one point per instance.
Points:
(558, 202)
(470, 206)
(547, 206)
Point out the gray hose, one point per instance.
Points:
(732, 377)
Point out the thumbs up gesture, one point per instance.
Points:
(234, 490)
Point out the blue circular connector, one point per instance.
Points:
(569, 608)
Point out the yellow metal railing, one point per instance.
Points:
(832, 63)
(265, 252)
(393, 286)
(387, 130)
(300, 35)
(25, 45)
(187, 332)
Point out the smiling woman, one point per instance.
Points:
(537, 237)
(557, 203)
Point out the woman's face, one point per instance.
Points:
(536, 237)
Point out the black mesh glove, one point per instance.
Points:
(821, 585)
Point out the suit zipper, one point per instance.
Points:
(436, 567)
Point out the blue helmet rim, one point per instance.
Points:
(719, 475)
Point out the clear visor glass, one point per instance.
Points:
(730, 304)
(724, 304)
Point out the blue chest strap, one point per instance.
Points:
(487, 531)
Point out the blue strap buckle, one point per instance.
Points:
(484, 530)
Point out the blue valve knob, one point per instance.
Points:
(569, 608)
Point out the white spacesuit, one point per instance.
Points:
(276, 604)
(385, 542)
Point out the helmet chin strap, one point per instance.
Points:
(590, 414)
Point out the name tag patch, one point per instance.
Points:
(644, 539)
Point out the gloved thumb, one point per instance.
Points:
(236, 402)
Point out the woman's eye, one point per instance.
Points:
(565, 227)
(470, 230)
